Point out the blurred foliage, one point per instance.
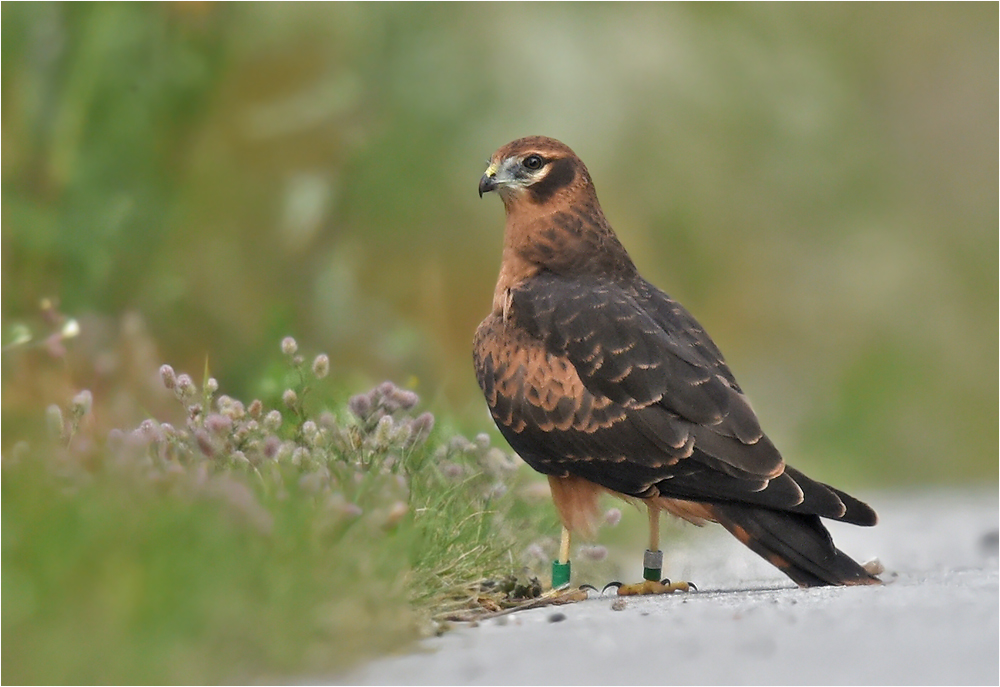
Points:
(817, 183)
(246, 541)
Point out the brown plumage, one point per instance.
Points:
(601, 381)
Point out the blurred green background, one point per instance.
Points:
(817, 183)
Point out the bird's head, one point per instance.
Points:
(554, 221)
(534, 169)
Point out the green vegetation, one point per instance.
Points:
(249, 540)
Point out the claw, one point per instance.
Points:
(587, 586)
(653, 587)
(615, 584)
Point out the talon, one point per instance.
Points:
(665, 581)
(564, 595)
(653, 587)
(617, 585)
(588, 586)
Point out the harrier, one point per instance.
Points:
(604, 383)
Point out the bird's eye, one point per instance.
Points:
(533, 162)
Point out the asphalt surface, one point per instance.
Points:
(935, 621)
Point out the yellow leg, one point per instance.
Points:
(652, 559)
(560, 566)
(564, 547)
(654, 527)
(652, 564)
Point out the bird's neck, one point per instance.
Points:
(514, 269)
(563, 239)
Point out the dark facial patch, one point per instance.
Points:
(562, 172)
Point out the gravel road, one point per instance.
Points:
(934, 622)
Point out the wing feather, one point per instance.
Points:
(635, 406)
(638, 355)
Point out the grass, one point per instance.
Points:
(250, 542)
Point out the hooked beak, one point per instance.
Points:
(489, 181)
(486, 184)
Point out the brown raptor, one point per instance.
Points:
(604, 383)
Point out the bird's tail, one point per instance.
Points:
(796, 543)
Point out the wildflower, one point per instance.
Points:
(290, 398)
(285, 450)
(184, 387)
(168, 376)
(255, 409)
(384, 432)
(360, 405)
(404, 398)
(272, 421)
(300, 455)
(421, 427)
(289, 346)
(149, 429)
(218, 424)
(212, 385)
(321, 366)
(451, 471)
(82, 403)
(271, 447)
(497, 461)
(612, 516)
(310, 431)
(234, 409)
(459, 444)
(204, 441)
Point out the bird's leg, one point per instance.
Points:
(652, 559)
(561, 567)
(652, 565)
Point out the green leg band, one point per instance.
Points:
(560, 574)
(652, 565)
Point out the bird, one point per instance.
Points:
(605, 384)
